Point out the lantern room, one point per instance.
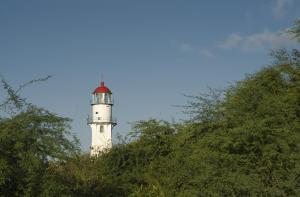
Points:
(102, 95)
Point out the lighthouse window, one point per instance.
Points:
(101, 129)
(97, 99)
(102, 98)
(110, 99)
(106, 98)
(96, 112)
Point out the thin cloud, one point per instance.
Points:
(185, 47)
(206, 53)
(232, 41)
(280, 7)
(258, 41)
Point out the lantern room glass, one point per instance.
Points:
(102, 98)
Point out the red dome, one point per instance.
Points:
(102, 89)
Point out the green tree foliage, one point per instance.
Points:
(123, 171)
(30, 138)
(80, 176)
(252, 146)
(295, 31)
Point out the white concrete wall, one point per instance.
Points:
(102, 113)
(101, 141)
(101, 117)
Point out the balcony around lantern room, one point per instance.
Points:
(90, 120)
(102, 98)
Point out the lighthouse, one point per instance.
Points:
(101, 121)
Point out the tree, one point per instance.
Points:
(31, 137)
(295, 30)
(248, 136)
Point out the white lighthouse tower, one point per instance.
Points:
(101, 121)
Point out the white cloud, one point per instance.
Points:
(258, 41)
(280, 7)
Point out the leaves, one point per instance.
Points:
(295, 31)
(30, 138)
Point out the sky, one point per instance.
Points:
(149, 53)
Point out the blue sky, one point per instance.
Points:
(149, 52)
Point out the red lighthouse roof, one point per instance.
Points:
(102, 89)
